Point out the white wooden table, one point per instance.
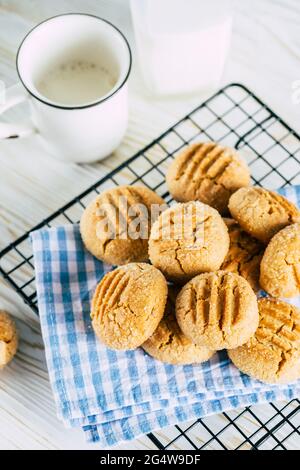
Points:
(265, 55)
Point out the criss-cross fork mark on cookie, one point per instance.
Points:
(203, 160)
(262, 213)
(215, 301)
(128, 304)
(279, 325)
(217, 309)
(278, 203)
(208, 172)
(272, 354)
(116, 207)
(109, 291)
(115, 226)
(189, 222)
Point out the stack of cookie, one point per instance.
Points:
(198, 295)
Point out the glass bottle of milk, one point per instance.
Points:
(182, 44)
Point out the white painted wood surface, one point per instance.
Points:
(265, 55)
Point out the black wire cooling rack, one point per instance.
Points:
(236, 117)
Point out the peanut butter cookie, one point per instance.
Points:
(169, 344)
(217, 310)
(188, 239)
(128, 305)
(108, 227)
(262, 213)
(244, 255)
(280, 265)
(8, 338)
(207, 172)
(272, 355)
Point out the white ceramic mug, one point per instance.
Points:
(76, 133)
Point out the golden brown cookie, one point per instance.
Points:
(188, 239)
(169, 344)
(108, 228)
(272, 355)
(262, 213)
(207, 172)
(280, 265)
(244, 255)
(128, 305)
(217, 310)
(8, 338)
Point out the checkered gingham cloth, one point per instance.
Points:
(116, 395)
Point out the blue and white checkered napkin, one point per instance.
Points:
(115, 395)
